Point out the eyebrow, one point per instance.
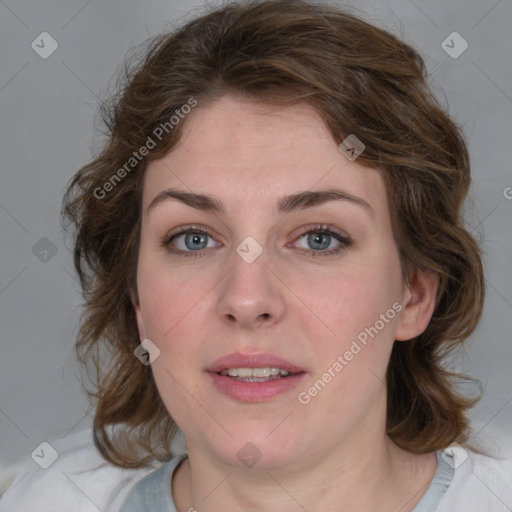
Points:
(287, 204)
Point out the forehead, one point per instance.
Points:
(250, 153)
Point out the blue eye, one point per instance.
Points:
(190, 241)
(193, 240)
(319, 238)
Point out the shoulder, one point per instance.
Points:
(480, 482)
(153, 492)
(70, 474)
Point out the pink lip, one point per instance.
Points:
(255, 391)
(237, 360)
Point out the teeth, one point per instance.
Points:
(255, 372)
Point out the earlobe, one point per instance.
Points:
(140, 323)
(138, 316)
(419, 300)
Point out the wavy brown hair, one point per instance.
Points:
(361, 80)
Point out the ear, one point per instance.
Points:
(138, 315)
(419, 300)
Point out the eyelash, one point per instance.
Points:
(317, 229)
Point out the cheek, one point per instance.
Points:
(169, 297)
(176, 305)
(354, 299)
(351, 357)
(172, 304)
(356, 314)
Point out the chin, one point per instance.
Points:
(260, 453)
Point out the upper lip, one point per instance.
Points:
(237, 360)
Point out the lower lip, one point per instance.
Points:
(255, 391)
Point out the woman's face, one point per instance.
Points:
(280, 275)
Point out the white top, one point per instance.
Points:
(79, 480)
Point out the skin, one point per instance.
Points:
(332, 453)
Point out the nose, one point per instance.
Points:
(251, 295)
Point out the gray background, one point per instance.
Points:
(47, 108)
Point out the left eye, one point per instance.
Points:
(320, 240)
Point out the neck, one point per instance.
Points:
(378, 477)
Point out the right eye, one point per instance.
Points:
(188, 241)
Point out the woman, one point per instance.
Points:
(271, 250)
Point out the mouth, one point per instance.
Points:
(254, 377)
(261, 365)
(256, 374)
